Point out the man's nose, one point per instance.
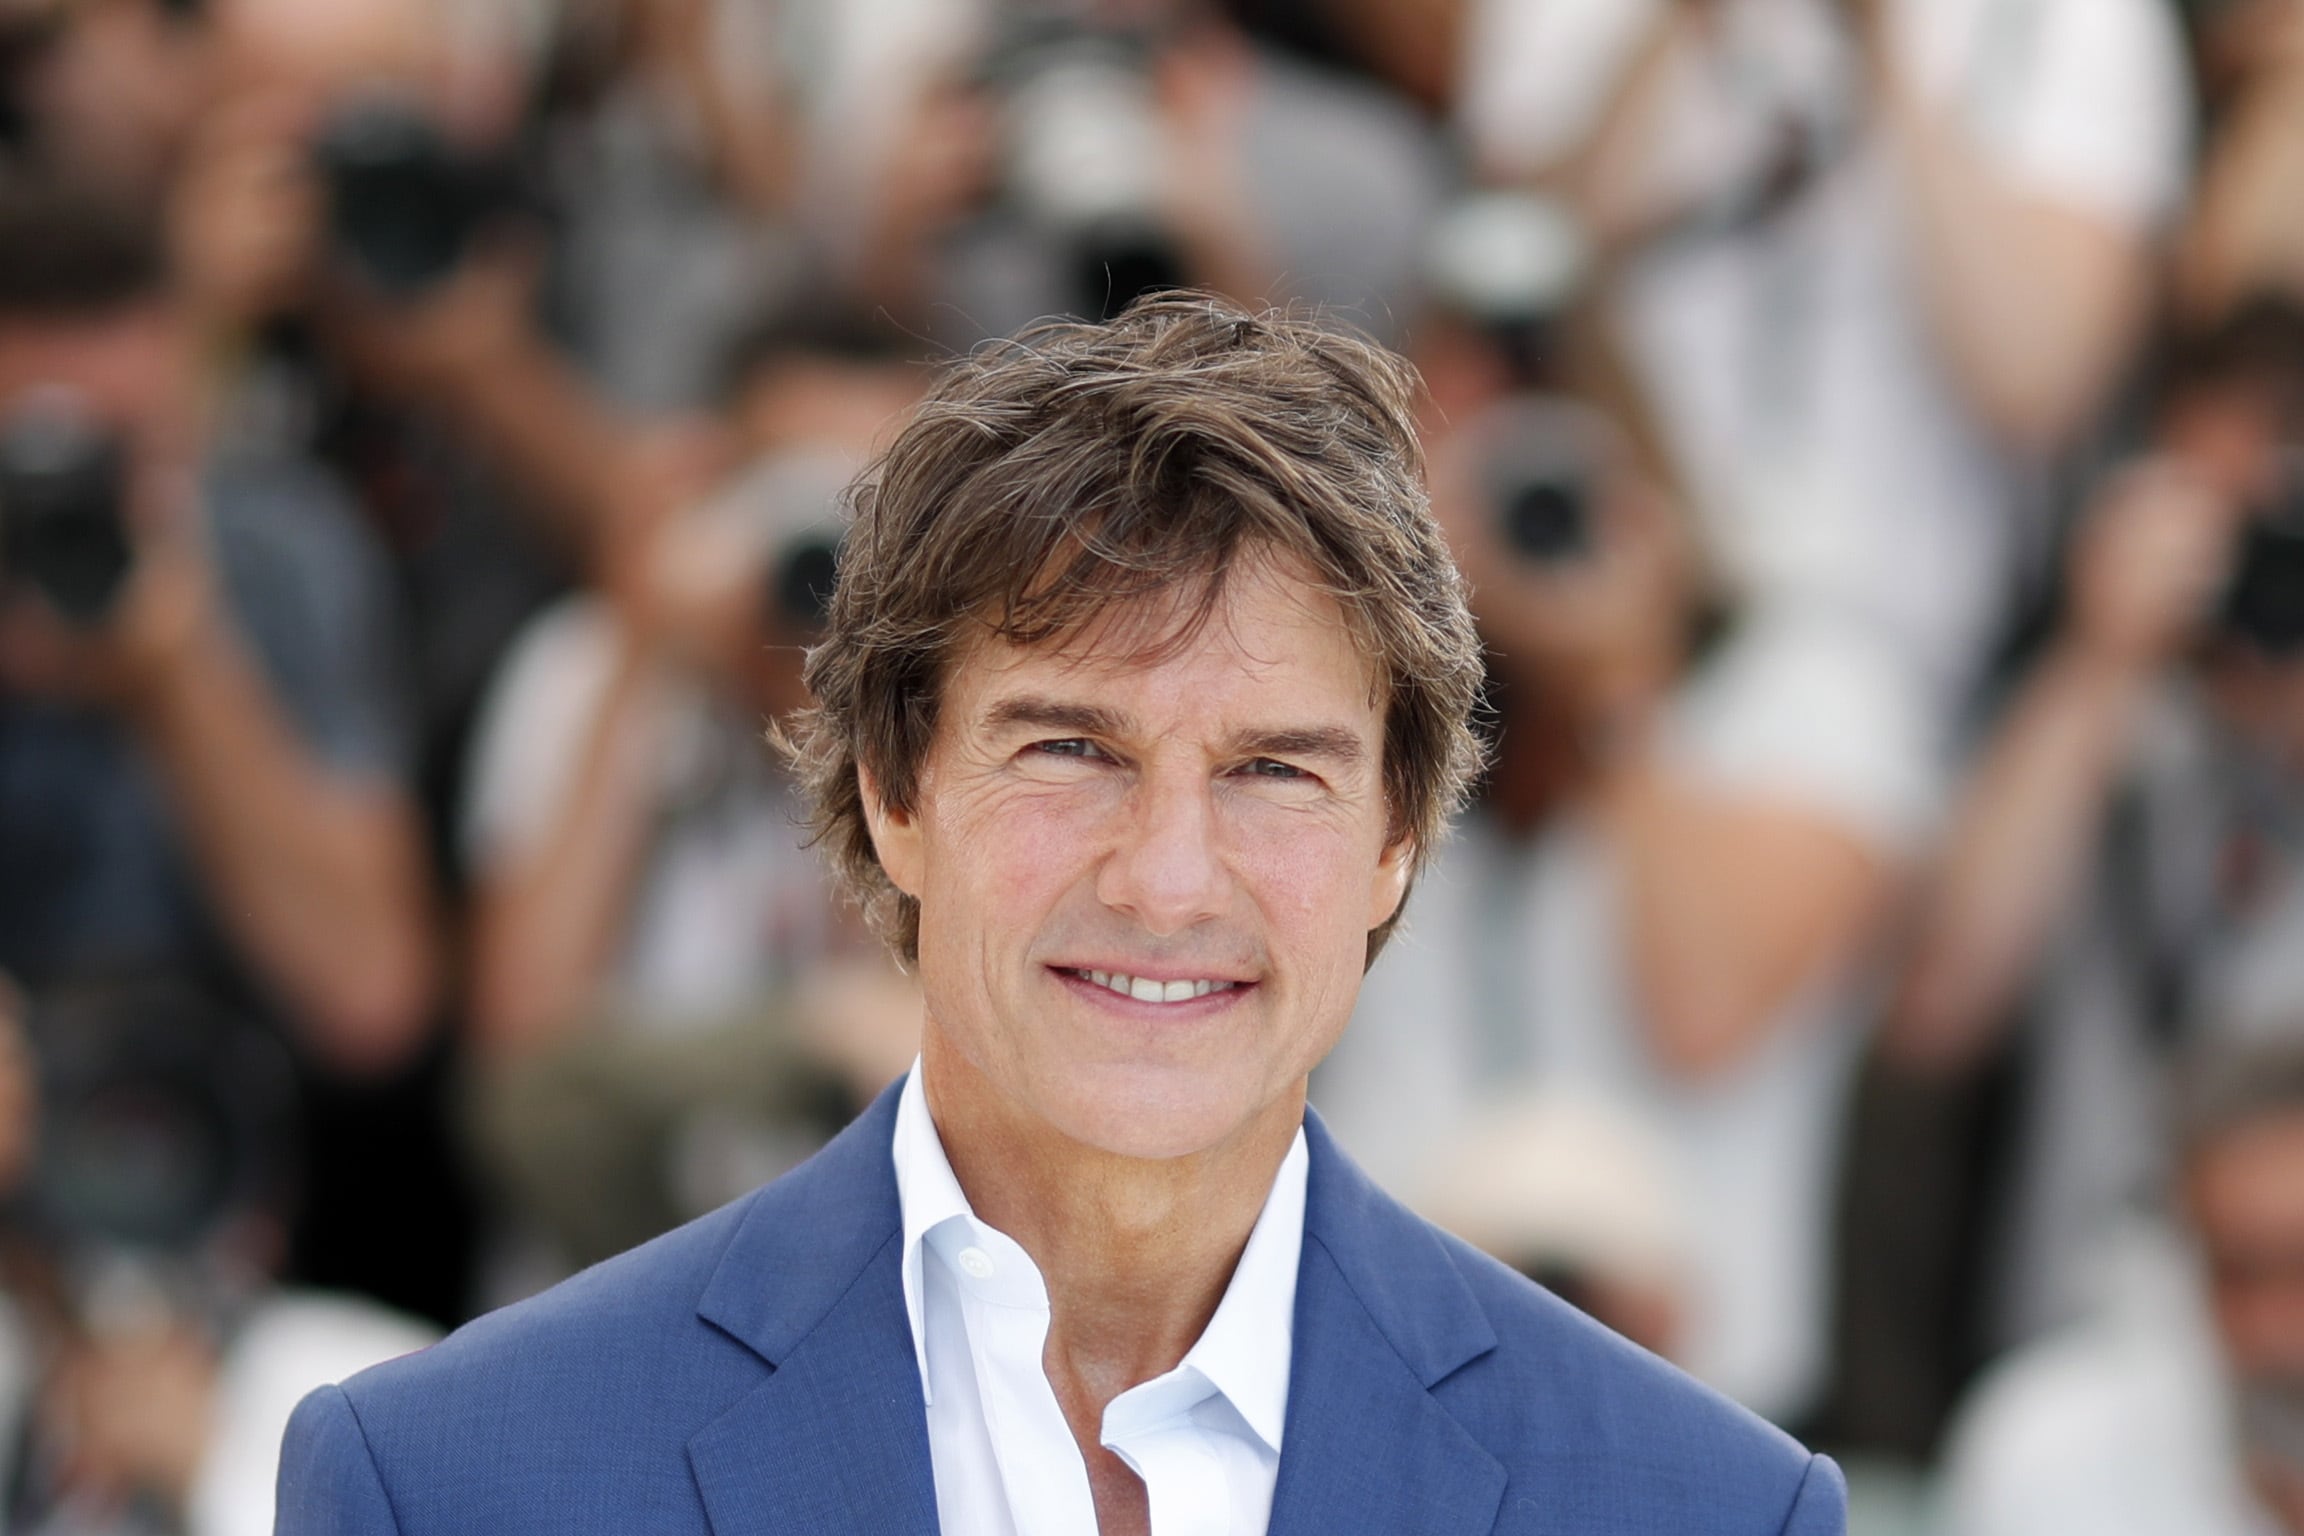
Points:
(1166, 868)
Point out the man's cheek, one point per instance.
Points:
(1304, 874)
(1038, 837)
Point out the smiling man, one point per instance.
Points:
(1146, 687)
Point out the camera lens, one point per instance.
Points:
(2265, 605)
(401, 205)
(63, 481)
(1547, 519)
(800, 594)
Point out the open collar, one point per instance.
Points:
(836, 1438)
(1244, 1351)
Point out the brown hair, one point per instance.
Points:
(1046, 480)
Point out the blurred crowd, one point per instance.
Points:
(1872, 976)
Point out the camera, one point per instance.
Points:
(1510, 265)
(784, 511)
(2264, 605)
(404, 205)
(1544, 462)
(63, 496)
(1083, 143)
(163, 1115)
(801, 579)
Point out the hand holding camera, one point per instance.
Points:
(1581, 578)
(2147, 571)
(91, 608)
(714, 583)
(245, 215)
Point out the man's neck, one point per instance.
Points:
(1136, 1253)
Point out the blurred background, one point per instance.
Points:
(1873, 975)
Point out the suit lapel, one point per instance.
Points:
(836, 1439)
(1381, 1317)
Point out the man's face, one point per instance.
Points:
(2246, 1194)
(1212, 822)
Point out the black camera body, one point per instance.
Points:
(1544, 465)
(2264, 605)
(1082, 146)
(405, 205)
(800, 582)
(164, 1116)
(63, 505)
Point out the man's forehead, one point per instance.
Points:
(1261, 618)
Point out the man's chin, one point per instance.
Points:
(1159, 1114)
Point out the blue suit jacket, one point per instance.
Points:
(753, 1372)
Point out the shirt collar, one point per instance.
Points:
(1245, 1351)
(1246, 1348)
(929, 1195)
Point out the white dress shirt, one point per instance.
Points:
(1205, 1437)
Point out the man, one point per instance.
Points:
(201, 750)
(2178, 1406)
(1145, 688)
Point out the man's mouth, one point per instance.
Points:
(1145, 989)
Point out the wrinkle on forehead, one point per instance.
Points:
(1144, 630)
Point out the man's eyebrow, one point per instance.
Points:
(1332, 742)
(1044, 714)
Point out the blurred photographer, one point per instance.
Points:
(2129, 857)
(1664, 897)
(1004, 159)
(666, 1000)
(151, 1359)
(201, 758)
(360, 209)
(2177, 1403)
(666, 151)
(1875, 266)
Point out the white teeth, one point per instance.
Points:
(1146, 990)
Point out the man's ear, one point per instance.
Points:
(895, 836)
(1390, 886)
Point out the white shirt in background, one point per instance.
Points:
(728, 901)
(2120, 1426)
(1205, 1437)
(1510, 975)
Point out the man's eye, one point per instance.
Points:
(1069, 746)
(1273, 768)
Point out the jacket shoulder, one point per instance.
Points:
(628, 1325)
(1571, 1407)
(588, 1394)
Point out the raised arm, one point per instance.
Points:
(318, 874)
(2035, 294)
(551, 903)
(1733, 899)
(2021, 842)
(287, 802)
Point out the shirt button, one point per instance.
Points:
(976, 1263)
